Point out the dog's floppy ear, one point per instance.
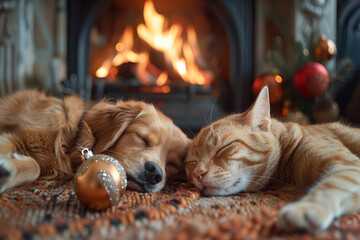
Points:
(108, 121)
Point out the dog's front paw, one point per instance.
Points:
(308, 216)
(5, 173)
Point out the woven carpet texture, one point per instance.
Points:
(50, 210)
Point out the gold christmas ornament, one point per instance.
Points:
(324, 49)
(100, 181)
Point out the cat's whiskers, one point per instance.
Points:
(239, 181)
(252, 181)
(215, 133)
(212, 129)
(212, 109)
(252, 176)
(229, 176)
(265, 164)
(222, 176)
(253, 166)
(192, 133)
(261, 177)
(206, 120)
(267, 177)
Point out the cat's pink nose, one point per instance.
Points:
(199, 175)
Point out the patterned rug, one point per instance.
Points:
(50, 210)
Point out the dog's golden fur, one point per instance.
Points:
(42, 136)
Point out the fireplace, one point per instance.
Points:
(192, 59)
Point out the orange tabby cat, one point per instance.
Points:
(250, 151)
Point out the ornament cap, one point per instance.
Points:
(87, 153)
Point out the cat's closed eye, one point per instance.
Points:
(190, 162)
(226, 149)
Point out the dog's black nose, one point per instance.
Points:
(153, 173)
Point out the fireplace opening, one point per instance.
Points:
(188, 57)
(166, 53)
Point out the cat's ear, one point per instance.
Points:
(259, 114)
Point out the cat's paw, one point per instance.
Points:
(6, 170)
(304, 216)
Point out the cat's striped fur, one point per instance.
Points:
(250, 151)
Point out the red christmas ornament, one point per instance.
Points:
(311, 80)
(274, 83)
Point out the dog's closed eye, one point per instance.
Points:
(145, 140)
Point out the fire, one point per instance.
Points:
(182, 54)
(153, 32)
(103, 71)
(124, 54)
(124, 50)
(162, 79)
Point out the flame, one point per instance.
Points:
(182, 54)
(103, 71)
(170, 43)
(152, 31)
(124, 54)
(124, 50)
(162, 79)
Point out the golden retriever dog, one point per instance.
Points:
(42, 137)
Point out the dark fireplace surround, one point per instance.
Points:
(236, 16)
